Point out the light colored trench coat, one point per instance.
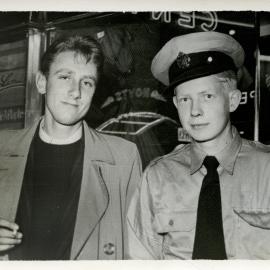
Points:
(111, 170)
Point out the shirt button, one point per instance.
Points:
(109, 248)
(171, 222)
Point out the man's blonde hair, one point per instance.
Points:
(228, 79)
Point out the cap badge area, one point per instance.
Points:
(183, 60)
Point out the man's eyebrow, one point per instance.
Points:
(63, 70)
(183, 95)
(203, 91)
(206, 90)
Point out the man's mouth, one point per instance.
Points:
(199, 126)
(71, 103)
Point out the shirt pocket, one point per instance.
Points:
(255, 217)
(177, 229)
(253, 233)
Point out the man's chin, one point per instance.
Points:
(70, 122)
(201, 139)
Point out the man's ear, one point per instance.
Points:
(175, 101)
(235, 98)
(41, 82)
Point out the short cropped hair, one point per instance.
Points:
(86, 46)
(228, 79)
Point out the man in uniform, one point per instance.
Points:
(65, 188)
(209, 199)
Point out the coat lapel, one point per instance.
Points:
(94, 196)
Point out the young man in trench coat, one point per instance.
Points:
(65, 188)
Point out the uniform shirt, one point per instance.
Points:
(163, 212)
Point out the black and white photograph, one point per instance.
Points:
(134, 135)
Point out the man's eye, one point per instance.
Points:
(208, 96)
(88, 83)
(183, 100)
(64, 77)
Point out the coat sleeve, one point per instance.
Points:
(143, 240)
(135, 176)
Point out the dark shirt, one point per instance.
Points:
(49, 200)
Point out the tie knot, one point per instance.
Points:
(210, 163)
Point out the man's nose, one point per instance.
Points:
(75, 89)
(196, 109)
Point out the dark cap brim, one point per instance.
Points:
(196, 73)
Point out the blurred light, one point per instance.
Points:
(232, 32)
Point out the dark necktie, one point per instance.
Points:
(209, 238)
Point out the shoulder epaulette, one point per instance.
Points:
(258, 145)
(175, 151)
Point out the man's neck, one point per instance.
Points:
(59, 134)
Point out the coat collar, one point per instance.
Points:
(100, 150)
(21, 141)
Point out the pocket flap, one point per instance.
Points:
(175, 221)
(255, 217)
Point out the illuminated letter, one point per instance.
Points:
(252, 94)
(159, 15)
(187, 19)
(244, 98)
(212, 25)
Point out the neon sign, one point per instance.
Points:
(189, 19)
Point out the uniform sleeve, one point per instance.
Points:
(143, 240)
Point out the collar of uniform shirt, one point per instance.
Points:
(226, 157)
(45, 137)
